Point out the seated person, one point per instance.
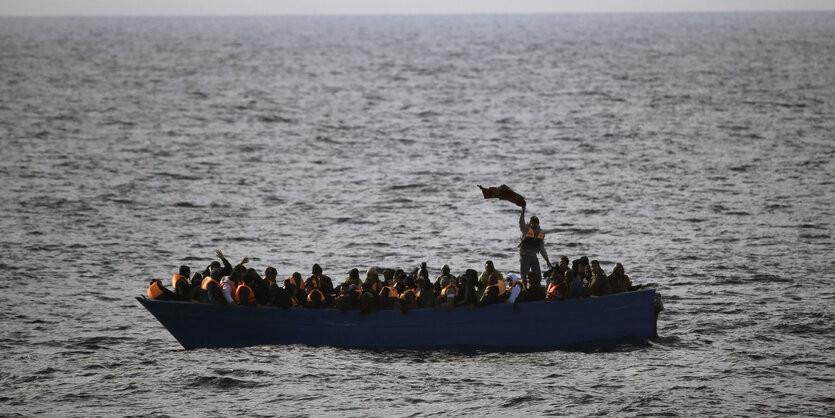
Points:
(620, 282)
(425, 293)
(349, 297)
(496, 292)
(408, 298)
(157, 291)
(599, 285)
(535, 290)
(466, 290)
(294, 286)
(389, 298)
(484, 278)
(445, 274)
(558, 289)
(194, 291)
(517, 287)
(180, 283)
(448, 291)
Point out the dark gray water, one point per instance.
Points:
(695, 149)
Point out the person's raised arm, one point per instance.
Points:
(522, 221)
(227, 267)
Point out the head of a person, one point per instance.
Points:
(488, 266)
(317, 270)
(618, 269)
(534, 221)
(214, 265)
(595, 266)
(511, 278)
(354, 275)
(371, 274)
(584, 261)
(185, 271)
(388, 275)
(472, 275)
(271, 273)
(297, 276)
(196, 279)
(445, 269)
(563, 262)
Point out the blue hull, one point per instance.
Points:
(535, 324)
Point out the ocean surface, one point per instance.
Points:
(696, 149)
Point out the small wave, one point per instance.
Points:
(185, 205)
(222, 382)
(518, 400)
(274, 119)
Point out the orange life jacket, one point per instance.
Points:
(552, 291)
(177, 277)
(388, 291)
(155, 289)
(312, 291)
(450, 289)
(232, 289)
(500, 284)
(406, 292)
(299, 284)
(250, 300)
(532, 240)
(205, 283)
(314, 283)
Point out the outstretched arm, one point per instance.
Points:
(227, 267)
(522, 224)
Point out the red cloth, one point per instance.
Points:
(503, 193)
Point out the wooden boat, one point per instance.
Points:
(525, 325)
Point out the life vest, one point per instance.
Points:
(298, 283)
(250, 300)
(500, 284)
(205, 283)
(375, 287)
(406, 292)
(518, 282)
(177, 277)
(532, 240)
(315, 283)
(232, 289)
(552, 292)
(310, 299)
(450, 289)
(388, 291)
(155, 289)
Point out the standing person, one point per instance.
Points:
(532, 242)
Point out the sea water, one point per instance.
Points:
(696, 149)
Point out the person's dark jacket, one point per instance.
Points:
(183, 289)
(599, 286)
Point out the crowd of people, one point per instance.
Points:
(224, 284)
